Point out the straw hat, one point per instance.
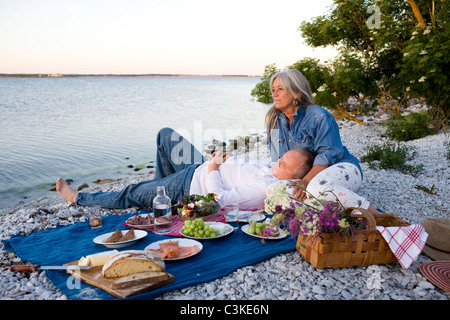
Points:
(438, 272)
(438, 241)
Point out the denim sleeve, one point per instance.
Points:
(274, 147)
(328, 142)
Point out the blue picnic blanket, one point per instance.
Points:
(64, 244)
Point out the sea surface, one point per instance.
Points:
(90, 128)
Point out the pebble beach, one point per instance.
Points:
(286, 276)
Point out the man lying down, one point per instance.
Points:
(182, 170)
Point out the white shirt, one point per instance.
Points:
(238, 181)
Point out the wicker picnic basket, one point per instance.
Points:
(367, 247)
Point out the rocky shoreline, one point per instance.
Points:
(286, 276)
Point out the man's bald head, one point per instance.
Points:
(294, 164)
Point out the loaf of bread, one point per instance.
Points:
(130, 262)
(139, 279)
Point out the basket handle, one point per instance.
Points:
(372, 224)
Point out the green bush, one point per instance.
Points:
(261, 92)
(413, 126)
(387, 48)
(390, 156)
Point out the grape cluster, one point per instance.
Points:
(256, 227)
(199, 229)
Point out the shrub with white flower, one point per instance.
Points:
(277, 195)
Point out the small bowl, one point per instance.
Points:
(194, 215)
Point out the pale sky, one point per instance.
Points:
(200, 37)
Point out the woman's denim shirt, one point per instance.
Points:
(313, 128)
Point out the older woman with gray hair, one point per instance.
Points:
(294, 121)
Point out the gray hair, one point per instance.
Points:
(296, 84)
(306, 165)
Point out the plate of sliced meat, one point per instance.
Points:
(141, 221)
(175, 249)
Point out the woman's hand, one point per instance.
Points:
(299, 187)
(217, 158)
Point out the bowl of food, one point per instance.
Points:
(198, 206)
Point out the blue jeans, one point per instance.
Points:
(176, 161)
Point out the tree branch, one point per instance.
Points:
(417, 14)
(432, 14)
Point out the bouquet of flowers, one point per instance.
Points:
(309, 217)
(197, 206)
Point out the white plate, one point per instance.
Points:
(280, 236)
(138, 235)
(139, 226)
(248, 216)
(181, 243)
(223, 228)
(256, 217)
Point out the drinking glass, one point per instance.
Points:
(95, 217)
(232, 213)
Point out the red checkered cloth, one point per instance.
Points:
(405, 242)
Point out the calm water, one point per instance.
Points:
(92, 128)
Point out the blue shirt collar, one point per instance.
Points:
(300, 112)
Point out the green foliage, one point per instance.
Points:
(331, 85)
(315, 72)
(318, 75)
(390, 156)
(347, 77)
(425, 64)
(420, 64)
(413, 126)
(344, 26)
(261, 92)
(385, 50)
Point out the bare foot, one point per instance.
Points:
(65, 191)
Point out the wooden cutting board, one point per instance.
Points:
(94, 277)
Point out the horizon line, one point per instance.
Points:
(60, 75)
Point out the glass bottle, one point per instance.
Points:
(162, 212)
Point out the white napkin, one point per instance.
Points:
(405, 242)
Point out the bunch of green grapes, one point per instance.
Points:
(199, 229)
(256, 227)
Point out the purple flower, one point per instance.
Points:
(311, 220)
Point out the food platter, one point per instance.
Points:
(181, 243)
(281, 234)
(248, 216)
(139, 226)
(223, 228)
(138, 235)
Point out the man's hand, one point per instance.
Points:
(217, 158)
